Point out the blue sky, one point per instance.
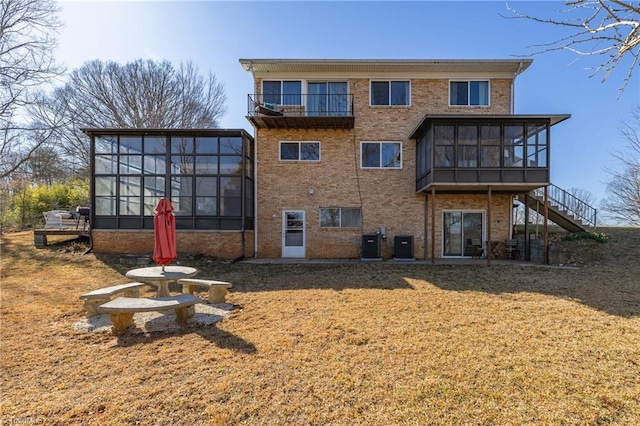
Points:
(214, 35)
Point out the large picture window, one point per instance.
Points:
(469, 93)
(390, 93)
(381, 155)
(342, 217)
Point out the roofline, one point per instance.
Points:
(553, 119)
(250, 65)
(92, 131)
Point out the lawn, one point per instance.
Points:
(340, 344)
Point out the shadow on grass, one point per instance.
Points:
(220, 338)
(600, 290)
(613, 291)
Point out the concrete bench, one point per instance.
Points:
(217, 289)
(95, 298)
(121, 310)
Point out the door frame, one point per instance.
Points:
(463, 211)
(294, 251)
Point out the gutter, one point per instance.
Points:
(513, 88)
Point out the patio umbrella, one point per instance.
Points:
(164, 226)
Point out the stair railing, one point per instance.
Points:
(570, 203)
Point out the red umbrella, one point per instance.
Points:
(164, 225)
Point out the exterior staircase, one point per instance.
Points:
(565, 210)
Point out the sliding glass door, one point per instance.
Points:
(327, 98)
(460, 230)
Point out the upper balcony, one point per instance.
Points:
(301, 111)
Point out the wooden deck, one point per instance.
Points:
(40, 235)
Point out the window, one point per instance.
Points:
(513, 146)
(536, 145)
(327, 98)
(489, 146)
(467, 146)
(282, 92)
(443, 137)
(381, 155)
(390, 93)
(299, 151)
(344, 217)
(469, 93)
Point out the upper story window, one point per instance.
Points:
(381, 155)
(391, 93)
(469, 93)
(282, 92)
(299, 151)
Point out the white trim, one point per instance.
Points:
(381, 168)
(299, 152)
(454, 80)
(484, 230)
(294, 251)
(278, 66)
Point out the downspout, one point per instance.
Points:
(513, 88)
(255, 195)
(92, 190)
(243, 204)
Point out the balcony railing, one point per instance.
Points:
(301, 111)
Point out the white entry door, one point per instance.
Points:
(293, 233)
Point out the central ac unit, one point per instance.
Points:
(371, 247)
(403, 247)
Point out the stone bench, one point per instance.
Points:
(217, 289)
(95, 298)
(121, 310)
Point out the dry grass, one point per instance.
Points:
(343, 344)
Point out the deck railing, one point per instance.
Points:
(569, 203)
(300, 105)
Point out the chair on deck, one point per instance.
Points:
(512, 249)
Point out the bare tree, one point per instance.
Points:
(139, 94)
(622, 204)
(27, 42)
(606, 29)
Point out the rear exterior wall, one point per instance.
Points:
(387, 197)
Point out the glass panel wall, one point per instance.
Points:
(489, 146)
(482, 150)
(537, 145)
(209, 177)
(443, 140)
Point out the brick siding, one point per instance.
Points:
(387, 197)
(222, 244)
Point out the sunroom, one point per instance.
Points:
(471, 152)
(208, 175)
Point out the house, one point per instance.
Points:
(354, 157)
(207, 173)
(371, 159)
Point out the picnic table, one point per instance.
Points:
(156, 276)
